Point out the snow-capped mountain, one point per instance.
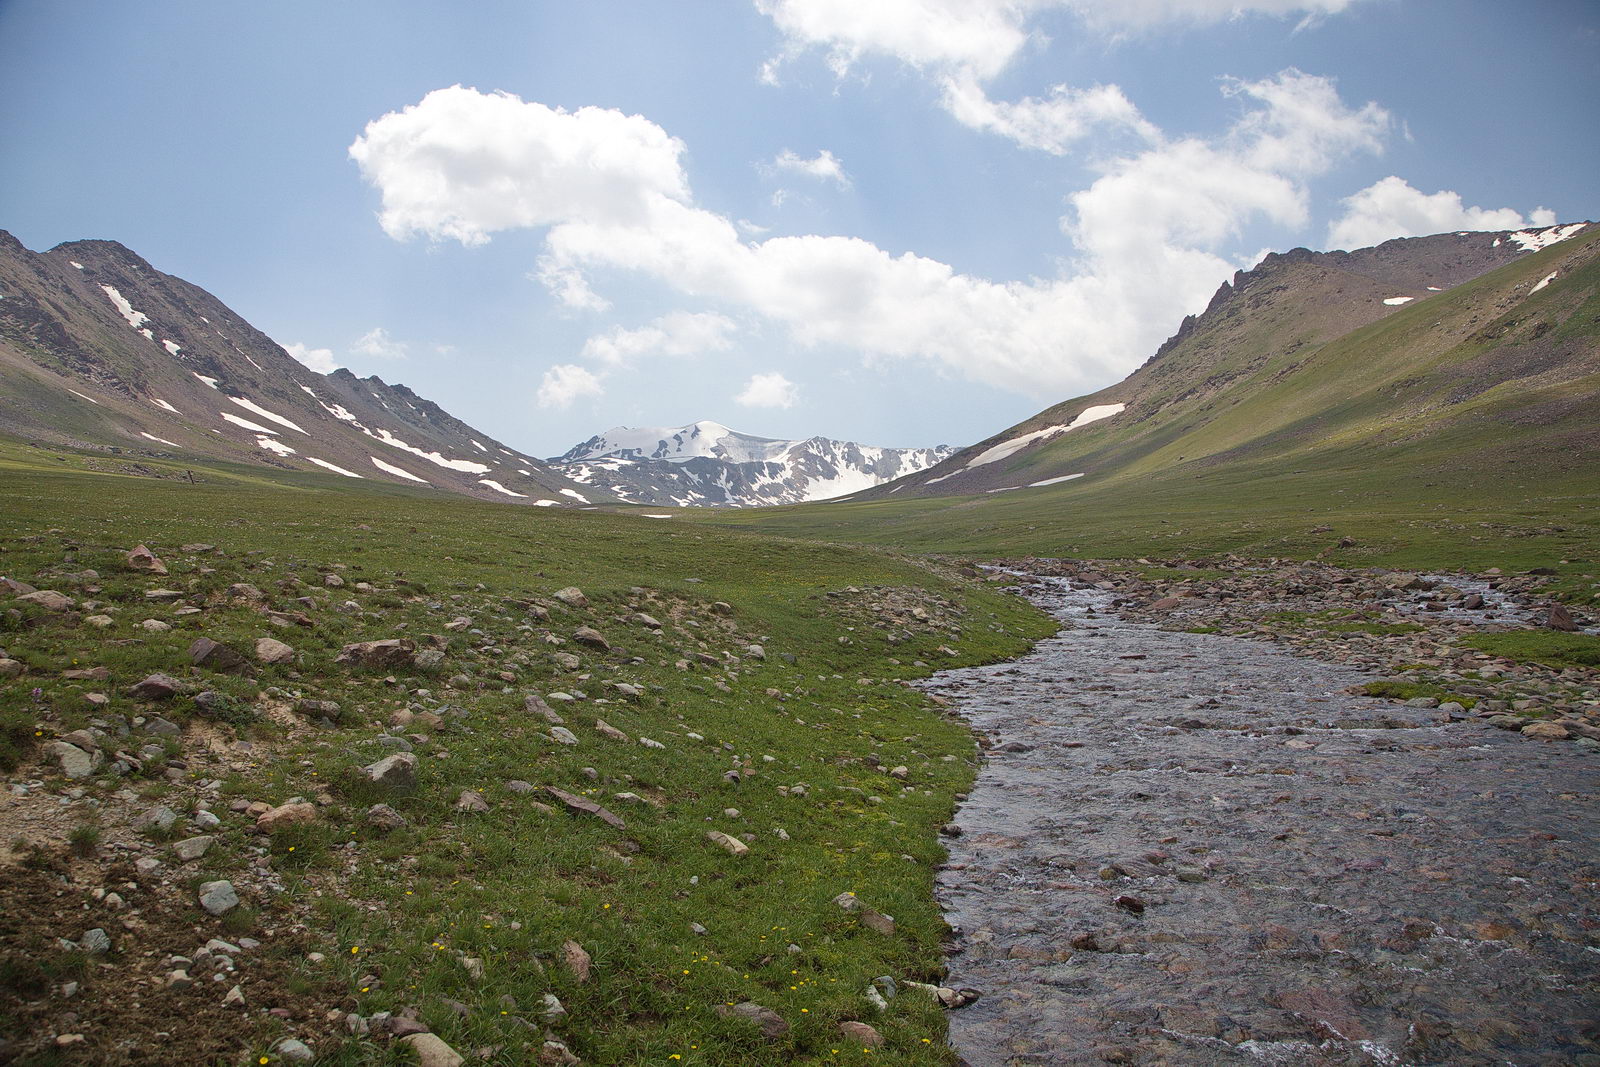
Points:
(707, 464)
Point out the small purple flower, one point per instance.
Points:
(37, 693)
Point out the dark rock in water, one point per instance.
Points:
(1557, 617)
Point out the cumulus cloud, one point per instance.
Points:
(768, 391)
(1147, 232)
(566, 382)
(1392, 208)
(825, 166)
(376, 342)
(318, 359)
(678, 334)
(965, 44)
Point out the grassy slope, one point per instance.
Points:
(1374, 437)
(452, 885)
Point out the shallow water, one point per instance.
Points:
(1324, 878)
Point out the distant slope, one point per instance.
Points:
(99, 350)
(1467, 339)
(707, 464)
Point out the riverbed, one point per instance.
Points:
(1197, 849)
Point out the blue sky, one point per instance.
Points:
(903, 222)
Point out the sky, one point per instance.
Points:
(898, 222)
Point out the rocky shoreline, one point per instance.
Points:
(1411, 629)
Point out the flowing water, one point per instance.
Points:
(1196, 849)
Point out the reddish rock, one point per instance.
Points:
(213, 655)
(142, 559)
(294, 814)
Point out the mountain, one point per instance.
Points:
(707, 464)
(1464, 352)
(101, 351)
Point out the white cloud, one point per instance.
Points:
(566, 382)
(966, 43)
(461, 164)
(318, 359)
(1392, 208)
(825, 166)
(1147, 232)
(768, 391)
(377, 342)
(678, 334)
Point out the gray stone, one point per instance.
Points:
(572, 596)
(74, 761)
(563, 736)
(588, 635)
(155, 687)
(429, 660)
(48, 599)
(270, 650)
(431, 1051)
(396, 773)
(218, 897)
(192, 848)
(383, 817)
(471, 801)
(771, 1023)
(215, 656)
(95, 942)
(160, 818)
(293, 1051)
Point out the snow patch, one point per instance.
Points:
(497, 487)
(331, 467)
(1095, 414)
(90, 399)
(153, 437)
(75, 263)
(466, 466)
(339, 412)
(253, 427)
(647, 515)
(1533, 240)
(475, 444)
(209, 381)
(148, 336)
(164, 406)
(1548, 278)
(1434, 289)
(270, 416)
(1054, 481)
(547, 503)
(134, 318)
(307, 390)
(524, 470)
(995, 453)
(172, 347)
(396, 471)
(574, 494)
(272, 444)
(1396, 301)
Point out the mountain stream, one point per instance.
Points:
(1197, 849)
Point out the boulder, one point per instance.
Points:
(431, 1051)
(155, 687)
(861, 1033)
(48, 599)
(142, 559)
(1557, 617)
(396, 773)
(732, 844)
(588, 635)
(385, 819)
(218, 897)
(471, 800)
(390, 652)
(192, 848)
(295, 813)
(572, 597)
(272, 651)
(771, 1023)
(1546, 731)
(213, 655)
(579, 806)
(74, 761)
